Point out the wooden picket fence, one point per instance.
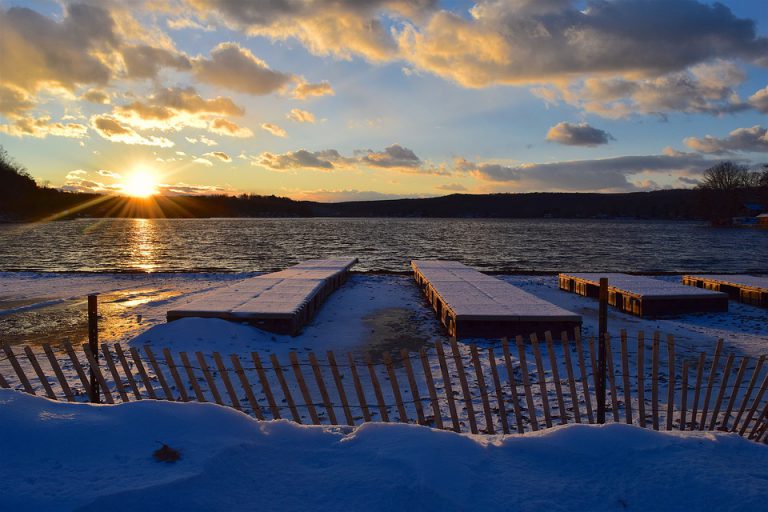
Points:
(494, 388)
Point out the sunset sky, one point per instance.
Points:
(365, 99)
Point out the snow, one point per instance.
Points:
(60, 456)
(740, 280)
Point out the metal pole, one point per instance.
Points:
(601, 363)
(93, 345)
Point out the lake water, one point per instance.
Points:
(245, 245)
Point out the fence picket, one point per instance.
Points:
(464, 386)
(755, 404)
(489, 429)
(143, 373)
(323, 390)
(180, 387)
(748, 394)
(57, 371)
(234, 399)
(93, 363)
(206, 374)
(710, 383)
(376, 388)
(723, 384)
(641, 378)
(575, 404)
(697, 389)
(4, 383)
(526, 383)
(265, 387)
(199, 396)
(39, 371)
(284, 386)
(113, 370)
(542, 379)
(359, 389)
(437, 414)
(625, 377)
(127, 370)
(19, 371)
(159, 373)
(406, 358)
(671, 381)
(611, 378)
(735, 392)
(447, 387)
(308, 403)
(556, 378)
(246, 385)
(513, 386)
(584, 378)
(499, 392)
(395, 387)
(340, 388)
(655, 380)
(684, 394)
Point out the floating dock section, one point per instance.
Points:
(471, 304)
(281, 302)
(645, 296)
(744, 288)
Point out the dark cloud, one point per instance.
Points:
(394, 156)
(754, 139)
(578, 135)
(301, 159)
(236, 68)
(452, 187)
(145, 61)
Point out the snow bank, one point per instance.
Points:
(59, 456)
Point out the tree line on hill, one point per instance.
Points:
(723, 192)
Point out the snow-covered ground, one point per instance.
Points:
(59, 456)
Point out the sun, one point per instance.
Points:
(140, 183)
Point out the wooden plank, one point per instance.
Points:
(113, 370)
(308, 402)
(464, 385)
(340, 388)
(199, 396)
(159, 373)
(59, 374)
(611, 378)
(641, 378)
(697, 389)
(359, 389)
(575, 405)
(748, 393)
(208, 378)
(39, 371)
(671, 381)
(684, 395)
(284, 385)
(394, 384)
(489, 428)
(406, 358)
(323, 390)
(755, 404)
(437, 414)
(142, 373)
(760, 425)
(18, 369)
(735, 392)
(513, 387)
(246, 385)
(723, 384)
(625, 377)
(95, 370)
(233, 398)
(499, 392)
(265, 387)
(542, 379)
(556, 379)
(448, 388)
(376, 388)
(175, 374)
(4, 383)
(710, 383)
(127, 370)
(655, 381)
(532, 416)
(584, 379)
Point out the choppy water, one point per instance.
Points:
(188, 245)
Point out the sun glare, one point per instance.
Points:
(140, 183)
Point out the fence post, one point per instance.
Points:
(601, 361)
(93, 345)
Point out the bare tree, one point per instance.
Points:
(726, 176)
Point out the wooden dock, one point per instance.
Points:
(646, 296)
(744, 288)
(281, 302)
(471, 304)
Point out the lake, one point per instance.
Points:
(501, 245)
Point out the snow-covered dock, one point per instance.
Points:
(645, 296)
(744, 288)
(472, 304)
(279, 302)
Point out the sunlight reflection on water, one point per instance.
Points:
(187, 245)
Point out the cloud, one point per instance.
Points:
(113, 130)
(42, 127)
(604, 175)
(144, 61)
(96, 96)
(220, 155)
(300, 116)
(202, 140)
(340, 196)
(759, 100)
(304, 90)
(228, 128)
(203, 161)
(525, 42)
(578, 135)
(394, 156)
(274, 129)
(38, 50)
(452, 187)
(14, 101)
(754, 139)
(236, 68)
(301, 159)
